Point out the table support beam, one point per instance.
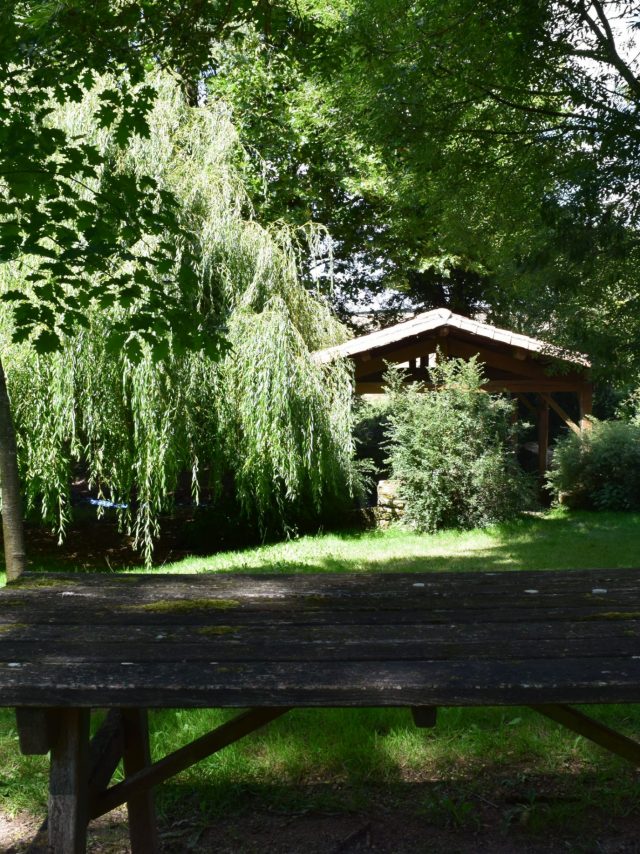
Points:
(595, 731)
(68, 783)
(143, 830)
(183, 758)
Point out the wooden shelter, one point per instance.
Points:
(531, 370)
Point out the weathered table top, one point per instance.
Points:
(321, 640)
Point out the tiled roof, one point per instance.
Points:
(440, 318)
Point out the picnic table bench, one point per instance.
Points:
(127, 643)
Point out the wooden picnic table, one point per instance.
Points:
(271, 642)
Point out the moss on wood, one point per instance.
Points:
(178, 606)
(217, 630)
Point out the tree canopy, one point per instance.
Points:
(160, 164)
(481, 156)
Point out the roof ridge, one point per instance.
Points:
(436, 318)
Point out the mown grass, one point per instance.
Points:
(338, 760)
(553, 540)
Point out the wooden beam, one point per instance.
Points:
(531, 386)
(595, 731)
(143, 830)
(371, 363)
(68, 783)
(504, 361)
(543, 435)
(561, 412)
(105, 752)
(185, 757)
(585, 399)
(527, 403)
(523, 365)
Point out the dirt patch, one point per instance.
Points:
(108, 835)
(416, 822)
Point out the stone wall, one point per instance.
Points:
(390, 506)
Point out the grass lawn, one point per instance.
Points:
(532, 776)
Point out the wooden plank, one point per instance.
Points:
(37, 585)
(342, 632)
(247, 591)
(182, 608)
(445, 614)
(418, 592)
(143, 829)
(229, 649)
(391, 639)
(291, 684)
(68, 789)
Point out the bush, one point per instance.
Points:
(598, 469)
(453, 451)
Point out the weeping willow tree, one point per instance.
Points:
(264, 414)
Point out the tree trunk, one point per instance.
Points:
(12, 527)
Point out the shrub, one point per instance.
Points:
(598, 469)
(453, 450)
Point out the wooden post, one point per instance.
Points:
(35, 730)
(585, 398)
(424, 717)
(68, 782)
(543, 435)
(143, 828)
(561, 412)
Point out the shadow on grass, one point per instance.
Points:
(550, 541)
(333, 759)
(512, 810)
(556, 540)
(499, 772)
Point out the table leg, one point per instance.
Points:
(68, 782)
(143, 828)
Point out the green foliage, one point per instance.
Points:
(262, 414)
(96, 232)
(471, 155)
(599, 469)
(453, 450)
